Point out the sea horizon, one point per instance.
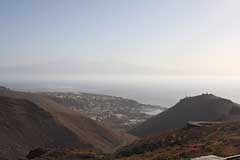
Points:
(158, 90)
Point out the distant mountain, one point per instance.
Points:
(205, 107)
(31, 120)
(119, 113)
(3, 88)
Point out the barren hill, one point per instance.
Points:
(205, 107)
(24, 125)
(21, 113)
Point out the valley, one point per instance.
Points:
(83, 126)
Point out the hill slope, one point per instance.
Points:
(206, 107)
(82, 132)
(220, 139)
(24, 125)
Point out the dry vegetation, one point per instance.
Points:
(222, 140)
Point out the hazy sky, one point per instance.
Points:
(99, 37)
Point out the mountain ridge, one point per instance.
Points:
(205, 107)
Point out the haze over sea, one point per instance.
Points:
(165, 91)
(156, 52)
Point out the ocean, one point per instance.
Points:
(164, 91)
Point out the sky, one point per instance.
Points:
(50, 38)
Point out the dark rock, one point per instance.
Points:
(36, 153)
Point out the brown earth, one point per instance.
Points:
(205, 107)
(31, 120)
(221, 139)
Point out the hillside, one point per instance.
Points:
(24, 125)
(221, 140)
(205, 107)
(80, 130)
(118, 112)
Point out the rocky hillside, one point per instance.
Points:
(34, 120)
(119, 113)
(205, 107)
(220, 139)
(30, 121)
(24, 125)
